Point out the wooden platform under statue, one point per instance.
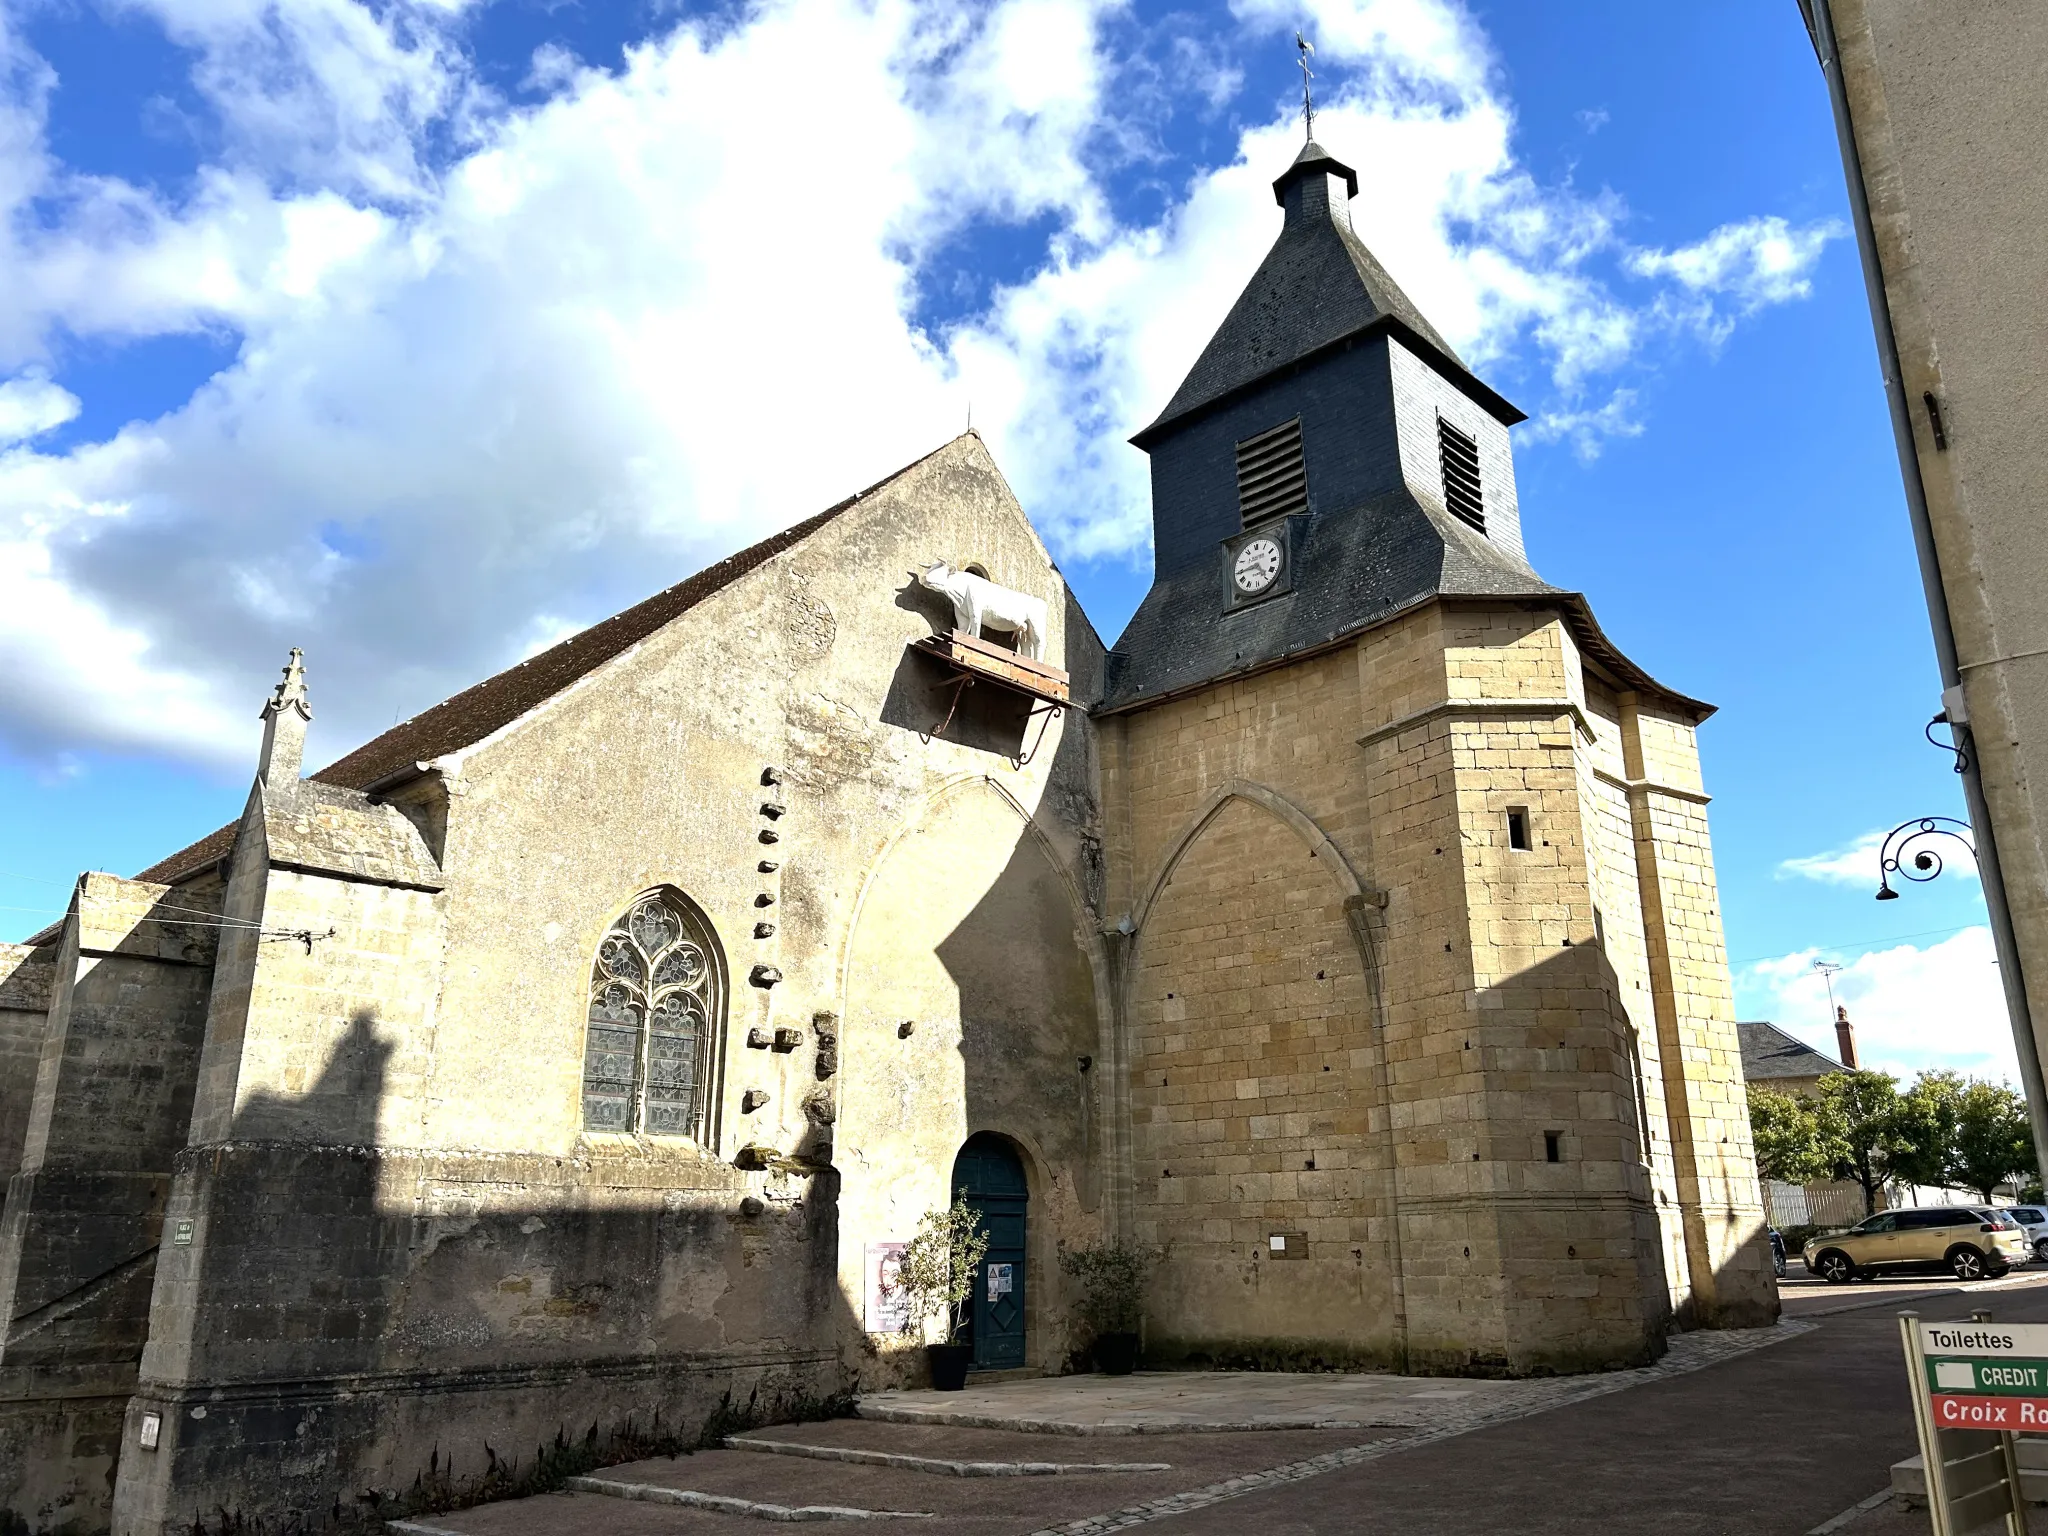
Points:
(984, 659)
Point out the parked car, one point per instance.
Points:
(2033, 1220)
(1969, 1241)
(1777, 1252)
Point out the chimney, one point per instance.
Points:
(1845, 1038)
(284, 728)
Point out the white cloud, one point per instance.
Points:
(31, 405)
(329, 93)
(1588, 430)
(1858, 863)
(1756, 262)
(481, 396)
(1913, 1008)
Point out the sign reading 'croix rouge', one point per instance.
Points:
(1987, 1375)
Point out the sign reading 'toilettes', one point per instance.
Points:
(1987, 1375)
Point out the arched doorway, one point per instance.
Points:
(989, 1175)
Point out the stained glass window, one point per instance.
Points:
(656, 1013)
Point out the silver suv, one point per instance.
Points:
(2033, 1221)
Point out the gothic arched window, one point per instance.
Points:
(657, 1015)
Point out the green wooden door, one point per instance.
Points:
(989, 1174)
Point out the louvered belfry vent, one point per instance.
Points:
(1459, 456)
(1271, 479)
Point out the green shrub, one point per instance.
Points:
(1113, 1277)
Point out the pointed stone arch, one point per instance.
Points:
(1086, 931)
(1357, 892)
(1359, 899)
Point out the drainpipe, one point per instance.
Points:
(1821, 24)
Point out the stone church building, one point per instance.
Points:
(548, 1078)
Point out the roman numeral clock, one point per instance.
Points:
(1259, 563)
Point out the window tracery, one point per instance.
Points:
(657, 1011)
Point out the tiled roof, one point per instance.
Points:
(497, 701)
(1768, 1053)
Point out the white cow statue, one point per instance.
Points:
(978, 601)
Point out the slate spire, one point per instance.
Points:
(1317, 287)
(1311, 432)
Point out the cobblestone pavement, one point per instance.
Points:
(1184, 1401)
(956, 1506)
(1192, 1427)
(1792, 1441)
(1723, 1437)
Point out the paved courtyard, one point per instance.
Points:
(1791, 1429)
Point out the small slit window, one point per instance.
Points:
(1272, 479)
(1458, 455)
(1518, 829)
(657, 1015)
(1553, 1146)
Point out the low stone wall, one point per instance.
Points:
(342, 1334)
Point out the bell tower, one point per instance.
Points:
(1430, 1056)
(1327, 460)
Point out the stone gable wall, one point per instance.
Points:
(403, 1102)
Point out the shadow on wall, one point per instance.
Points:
(1580, 1230)
(972, 915)
(1310, 1223)
(354, 1333)
(81, 1227)
(935, 700)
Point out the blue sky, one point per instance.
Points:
(420, 335)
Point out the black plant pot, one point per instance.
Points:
(1116, 1354)
(949, 1364)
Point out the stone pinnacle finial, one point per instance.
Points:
(291, 688)
(284, 726)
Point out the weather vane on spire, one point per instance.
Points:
(1303, 48)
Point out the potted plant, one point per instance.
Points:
(936, 1277)
(1112, 1304)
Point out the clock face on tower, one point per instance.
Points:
(1258, 562)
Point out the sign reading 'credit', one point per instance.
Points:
(1987, 1375)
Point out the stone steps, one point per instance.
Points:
(722, 1504)
(938, 1466)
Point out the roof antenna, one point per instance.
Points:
(1302, 49)
(970, 415)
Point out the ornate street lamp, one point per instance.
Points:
(1907, 852)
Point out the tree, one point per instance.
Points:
(938, 1267)
(1864, 1130)
(1790, 1145)
(1993, 1139)
(1928, 1115)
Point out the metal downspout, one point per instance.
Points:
(1820, 16)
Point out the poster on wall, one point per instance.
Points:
(999, 1282)
(888, 1309)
